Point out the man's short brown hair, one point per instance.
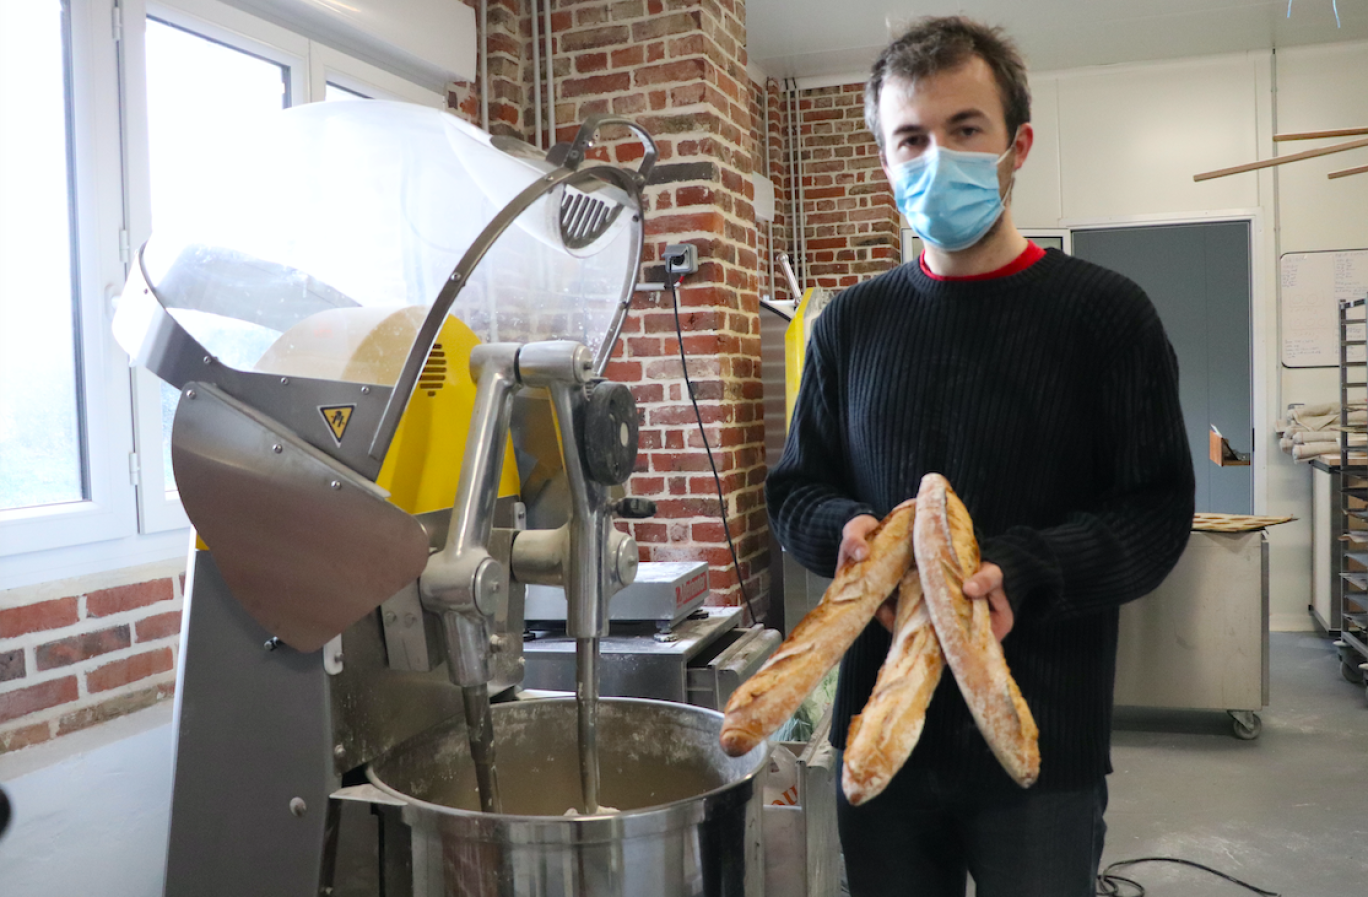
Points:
(933, 45)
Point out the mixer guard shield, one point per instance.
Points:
(305, 544)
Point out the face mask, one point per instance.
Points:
(950, 197)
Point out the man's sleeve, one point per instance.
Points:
(1123, 548)
(807, 490)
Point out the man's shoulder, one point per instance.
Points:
(1098, 292)
(866, 295)
(1090, 278)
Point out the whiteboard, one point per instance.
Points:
(1313, 283)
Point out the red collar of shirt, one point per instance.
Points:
(1029, 256)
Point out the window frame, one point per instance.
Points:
(128, 517)
(159, 509)
(327, 65)
(107, 511)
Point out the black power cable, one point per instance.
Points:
(671, 283)
(1109, 884)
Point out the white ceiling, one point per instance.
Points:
(819, 38)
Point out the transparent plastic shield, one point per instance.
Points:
(339, 216)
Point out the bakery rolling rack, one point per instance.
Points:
(1353, 494)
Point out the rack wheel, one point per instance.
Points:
(1351, 673)
(1245, 724)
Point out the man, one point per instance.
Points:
(1045, 390)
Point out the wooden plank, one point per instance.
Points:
(1281, 160)
(1233, 523)
(1344, 173)
(1317, 135)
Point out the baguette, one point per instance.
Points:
(762, 703)
(882, 737)
(943, 540)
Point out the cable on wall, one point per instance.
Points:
(672, 283)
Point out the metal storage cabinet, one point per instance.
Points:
(1200, 640)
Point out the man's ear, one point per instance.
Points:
(1025, 139)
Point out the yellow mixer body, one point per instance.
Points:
(368, 345)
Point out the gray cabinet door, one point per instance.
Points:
(1198, 276)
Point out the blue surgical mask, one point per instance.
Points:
(950, 197)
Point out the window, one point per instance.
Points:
(199, 91)
(41, 460)
(333, 92)
(103, 104)
(64, 411)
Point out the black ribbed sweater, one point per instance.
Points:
(1049, 399)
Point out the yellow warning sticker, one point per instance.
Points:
(337, 417)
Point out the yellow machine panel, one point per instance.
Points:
(368, 345)
(795, 351)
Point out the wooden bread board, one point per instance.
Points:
(1234, 523)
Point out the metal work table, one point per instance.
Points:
(699, 661)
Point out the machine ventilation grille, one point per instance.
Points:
(434, 372)
(584, 219)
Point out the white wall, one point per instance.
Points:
(1321, 88)
(91, 811)
(1318, 88)
(1119, 144)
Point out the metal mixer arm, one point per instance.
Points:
(462, 581)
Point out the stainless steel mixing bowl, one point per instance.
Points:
(689, 821)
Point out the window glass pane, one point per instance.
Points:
(199, 92)
(333, 92)
(40, 422)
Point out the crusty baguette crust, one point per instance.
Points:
(881, 738)
(941, 534)
(762, 703)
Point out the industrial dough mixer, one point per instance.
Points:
(388, 331)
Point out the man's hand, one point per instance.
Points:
(855, 539)
(986, 584)
(855, 547)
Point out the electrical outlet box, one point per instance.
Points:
(681, 258)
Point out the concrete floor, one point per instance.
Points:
(1282, 812)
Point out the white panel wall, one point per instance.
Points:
(1036, 196)
(1132, 137)
(1320, 88)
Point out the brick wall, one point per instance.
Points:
(767, 138)
(850, 219)
(83, 651)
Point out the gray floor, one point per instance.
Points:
(1282, 812)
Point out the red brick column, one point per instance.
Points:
(678, 68)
